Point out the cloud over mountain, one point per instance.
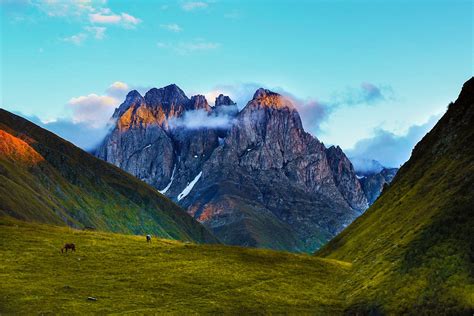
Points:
(390, 149)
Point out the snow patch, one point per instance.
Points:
(147, 146)
(249, 149)
(195, 156)
(190, 186)
(169, 184)
(360, 177)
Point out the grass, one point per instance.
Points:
(413, 250)
(127, 275)
(44, 178)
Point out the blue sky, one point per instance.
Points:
(361, 71)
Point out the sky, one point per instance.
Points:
(370, 76)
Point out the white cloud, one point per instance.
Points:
(173, 27)
(129, 19)
(85, 12)
(61, 8)
(97, 31)
(197, 119)
(367, 93)
(390, 149)
(240, 93)
(92, 109)
(124, 19)
(77, 39)
(184, 48)
(90, 116)
(103, 18)
(82, 135)
(192, 5)
(118, 90)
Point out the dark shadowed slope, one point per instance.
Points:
(413, 250)
(47, 179)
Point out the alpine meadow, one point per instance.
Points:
(222, 157)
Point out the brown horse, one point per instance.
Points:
(68, 246)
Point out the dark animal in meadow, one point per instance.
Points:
(68, 246)
(148, 238)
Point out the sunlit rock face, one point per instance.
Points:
(262, 181)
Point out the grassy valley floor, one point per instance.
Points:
(127, 275)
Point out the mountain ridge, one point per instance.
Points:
(62, 184)
(418, 233)
(242, 171)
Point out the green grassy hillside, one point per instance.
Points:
(413, 250)
(46, 179)
(127, 275)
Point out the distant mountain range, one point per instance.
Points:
(46, 179)
(254, 177)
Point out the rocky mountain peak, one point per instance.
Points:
(264, 98)
(335, 150)
(133, 95)
(199, 102)
(132, 98)
(251, 173)
(166, 97)
(224, 100)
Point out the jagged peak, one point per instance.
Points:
(132, 97)
(335, 148)
(199, 102)
(224, 100)
(269, 99)
(199, 97)
(263, 93)
(168, 94)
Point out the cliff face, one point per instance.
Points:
(260, 180)
(373, 184)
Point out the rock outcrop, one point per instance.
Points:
(260, 181)
(373, 184)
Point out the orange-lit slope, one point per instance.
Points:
(46, 179)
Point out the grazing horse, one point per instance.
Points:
(148, 238)
(68, 246)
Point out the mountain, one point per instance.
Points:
(372, 176)
(410, 253)
(254, 177)
(364, 166)
(47, 179)
(373, 184)
(412, 250)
